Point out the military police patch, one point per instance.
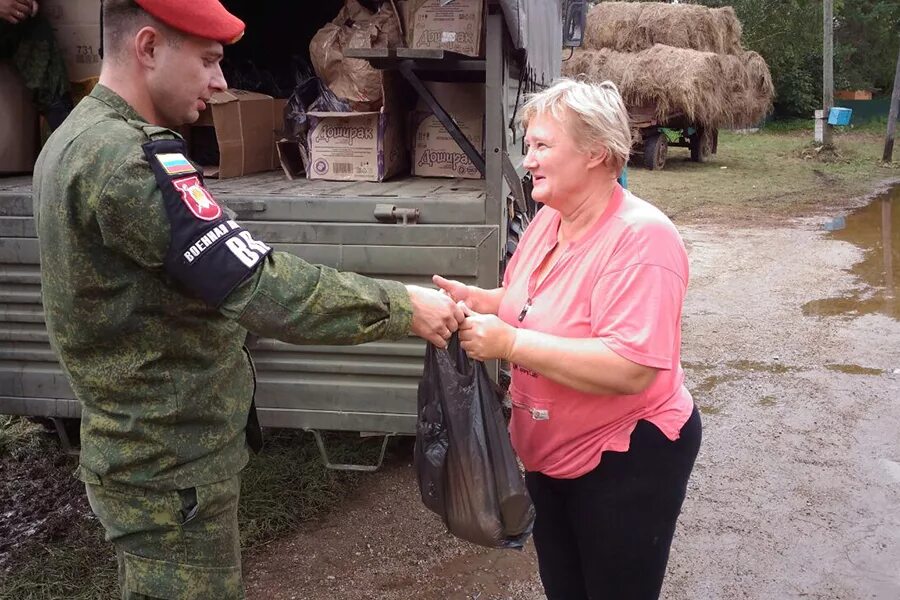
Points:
(196, 197)
(209, 254)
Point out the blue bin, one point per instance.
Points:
(839, 116)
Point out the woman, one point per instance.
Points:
(589, 318)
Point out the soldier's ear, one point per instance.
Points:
(146, 45)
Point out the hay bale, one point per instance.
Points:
(759, 79)
(606, 24)
(636, 26)
(701, 88)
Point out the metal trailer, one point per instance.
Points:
(405, 229)
(653, 143)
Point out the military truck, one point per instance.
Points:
(406, 228)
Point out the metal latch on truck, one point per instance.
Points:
(388, 213)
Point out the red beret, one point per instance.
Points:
(203, 18)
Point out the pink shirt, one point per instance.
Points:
(623, 282)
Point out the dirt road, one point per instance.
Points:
(796, 493)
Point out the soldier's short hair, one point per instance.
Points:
(122, 19)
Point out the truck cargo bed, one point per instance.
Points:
(359, 388)
(429, 194)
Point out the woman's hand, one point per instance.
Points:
(459, 292)
(485, 337)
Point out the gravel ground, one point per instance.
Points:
(796, 492)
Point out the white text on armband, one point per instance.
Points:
(246, 249)
(209, 238)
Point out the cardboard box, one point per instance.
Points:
(356, 146)
(456, 25)
(18, 124)
(76, 24)
(361, 146)
(241, 127)
(435, 153)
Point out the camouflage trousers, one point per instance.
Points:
(179, 544)
(33, 50)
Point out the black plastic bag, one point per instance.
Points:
(467, 471)
(309, 95)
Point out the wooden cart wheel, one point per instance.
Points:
(655, 149)
(703, 144)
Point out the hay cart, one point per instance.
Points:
(653, 143)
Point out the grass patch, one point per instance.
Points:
(19, 436)
(763, 178)
(793, 125)
(80, 566)
(287, 484)
(282, 487)
(877, 125)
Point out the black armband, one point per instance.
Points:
(209, 254)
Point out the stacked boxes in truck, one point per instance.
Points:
(460, 231)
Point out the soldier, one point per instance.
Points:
(149, 289)
(27, 39)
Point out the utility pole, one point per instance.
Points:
(827, 68)
(892, 116)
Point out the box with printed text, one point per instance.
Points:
(361, 146)
(435, 152)
(76, 24)
(455, 25)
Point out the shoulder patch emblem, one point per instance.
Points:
(175, 164)
(197, 198)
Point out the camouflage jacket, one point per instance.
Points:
(163, 378)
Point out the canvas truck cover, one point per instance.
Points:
(535, 26)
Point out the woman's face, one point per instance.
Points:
(558, 167)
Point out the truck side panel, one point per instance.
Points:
(367, 388)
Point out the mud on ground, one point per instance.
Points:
(39, 501)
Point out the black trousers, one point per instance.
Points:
(606, 535)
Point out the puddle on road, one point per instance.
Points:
(768, 401)
(876, 229)
(750, 365)
(710, 383)
(854, 369)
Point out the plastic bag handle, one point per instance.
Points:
(464, 365)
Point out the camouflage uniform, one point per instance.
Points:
(34, 53)
(163, 378)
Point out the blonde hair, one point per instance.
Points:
(592, 113)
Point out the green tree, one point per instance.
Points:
(788, 35)
(867, 34)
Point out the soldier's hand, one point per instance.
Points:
(15, 11)
(435, 315)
